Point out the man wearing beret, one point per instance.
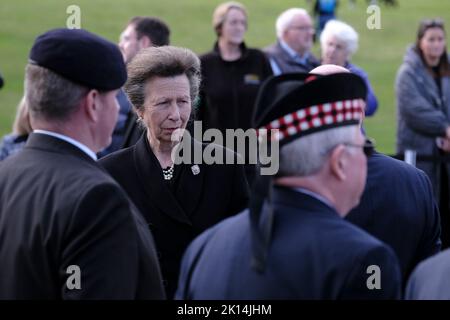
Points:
(292, 242)
(68, 231)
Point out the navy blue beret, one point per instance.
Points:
(81, 57)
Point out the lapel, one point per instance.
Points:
(188, 191)
(190, 184)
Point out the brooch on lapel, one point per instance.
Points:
(195, 169)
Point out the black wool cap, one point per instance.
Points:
(298, 104)
(81, 57)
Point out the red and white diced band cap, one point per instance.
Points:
(314, 117)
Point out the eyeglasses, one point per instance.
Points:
(368, 147)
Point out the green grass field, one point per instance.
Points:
(380, 51)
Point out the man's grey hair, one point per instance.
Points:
(343, 32)
(50, 96)
(285, 19)
(307, 155)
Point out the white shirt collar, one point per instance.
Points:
(74, 142)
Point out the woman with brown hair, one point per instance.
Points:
(423, 108)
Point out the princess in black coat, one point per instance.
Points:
(179, 201)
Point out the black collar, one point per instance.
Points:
(182, 202)
(242, 46)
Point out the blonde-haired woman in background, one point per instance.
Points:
(15, 141)
(231, 74)
(339, 41)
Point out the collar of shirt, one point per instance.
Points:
(315, 196)
(74, 142)
(294, 55)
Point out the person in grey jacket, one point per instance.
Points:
(423, 106)
(292, 50)
(430, 280)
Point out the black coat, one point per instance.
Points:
(229, 88)
(60, 208)
(177, 213)
(133, 131)
(313, 254)
(398, 207)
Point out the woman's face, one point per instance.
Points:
(167, 107)
(334, 51)
(432, 44)
(234, 26)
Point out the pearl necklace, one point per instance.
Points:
(168, 173)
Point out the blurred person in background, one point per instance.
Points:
(15, 141)
(231, 75)
(140, 32)
(292, 51)
(423, 110)
(339, 41)
(324, 10)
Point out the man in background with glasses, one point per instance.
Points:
(292, 51)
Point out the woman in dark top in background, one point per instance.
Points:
(231, 74)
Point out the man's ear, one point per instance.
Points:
(145, 42)
(338, 162)
(91, 105)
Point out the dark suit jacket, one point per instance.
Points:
(398, 208)
(133, 131)
(177, 215)
(60, 208)
(313, 254)
(229, 88)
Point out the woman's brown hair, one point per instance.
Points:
(443, 65)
